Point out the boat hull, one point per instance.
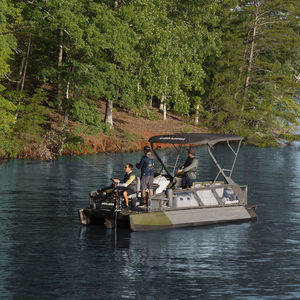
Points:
(91, 216)
(169, 219)
(190, 218)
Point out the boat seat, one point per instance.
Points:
(137, 187)
(138, 184)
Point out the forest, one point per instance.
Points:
(232, 66)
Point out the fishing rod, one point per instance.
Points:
(118, 205)
(116, 224)
(89, 163)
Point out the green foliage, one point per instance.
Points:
(32, 116)
(290, 138)
(174, 42)
(254, 81)
(91, 129)
(187, 52)
(152, 116)
(131, 136)
(262, 140)
(74, 147)
(7, 117)
(23, 120)
(8, 145)
(85, 129)
(75, 144)
(85, 112)
(73, 138)
(186, 130)
(147, 113)
(8, 16)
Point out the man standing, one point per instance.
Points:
(147, 173)
(189, 169)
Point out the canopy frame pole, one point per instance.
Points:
(178, 154)
(221, 170)
(161, 162)
(235, 155)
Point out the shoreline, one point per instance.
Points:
(108, 144)
(129, 134)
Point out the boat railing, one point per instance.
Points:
(200, 196)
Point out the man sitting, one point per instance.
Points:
(129, 183)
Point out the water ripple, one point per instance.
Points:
(46, 254)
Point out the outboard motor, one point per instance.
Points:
(104, 197)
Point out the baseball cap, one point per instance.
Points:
(147, 149)
(191, 150)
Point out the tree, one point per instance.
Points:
(55, 32)
(253, 87)
(8, 17)
(174, 40)
(111, 42)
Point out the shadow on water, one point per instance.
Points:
(110, 238)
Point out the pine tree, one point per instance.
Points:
(253, 87)
(9, 16)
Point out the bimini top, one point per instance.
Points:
(194, 138)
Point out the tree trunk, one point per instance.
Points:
(21, 71)
(165, 112)
(244, 54)
(241, 69)
(66, 117)
(138, 82)
(250, 61)
(150, 101)
(108, 113)
(197, 114)
(163, 106)
(76, 91)
(60, 61)
(26, 64)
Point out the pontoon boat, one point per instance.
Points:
(208, 201)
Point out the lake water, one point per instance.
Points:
(46, 254)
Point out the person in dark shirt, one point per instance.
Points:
(129, 183)
(189, 169)
(146, 165)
